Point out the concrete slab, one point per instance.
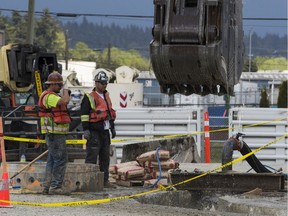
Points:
(263, 204)
(182, 149)
(79, 177)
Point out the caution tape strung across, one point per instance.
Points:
(40, 140)
(99, 201)
(82, 142)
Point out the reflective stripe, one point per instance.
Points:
(54, 129)
(92, 102)
(84, 118)
(48, 126)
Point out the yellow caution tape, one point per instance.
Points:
(42, 141)
(161, 188)
(81, 142)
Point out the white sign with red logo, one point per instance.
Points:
(123, 99)
(126, 95)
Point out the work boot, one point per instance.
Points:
(45, 191)
(58, 191)
(107, 184)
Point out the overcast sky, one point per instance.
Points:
(251, 9)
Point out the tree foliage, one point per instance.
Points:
(15, 30)
(267, 63)
(130, 44)
(82, 52)
(99, 36)
(60, 45)
(115, 57)
(282, 97)
(271, 45)
(264, 101)
(254, 67)
(46, 31)
(18, 27)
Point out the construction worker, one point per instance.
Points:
(55, 121)
(97, 117)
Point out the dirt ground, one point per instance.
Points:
(149, 205)
(125, 207)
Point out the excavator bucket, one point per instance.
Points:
(197, 46)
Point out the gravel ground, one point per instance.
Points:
(126, 207)
(129, 207)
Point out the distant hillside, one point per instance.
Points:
(98, 36)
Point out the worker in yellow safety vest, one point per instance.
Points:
(54, 122)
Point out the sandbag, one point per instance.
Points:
(113, 169)
(131, 172)
(168, 164)
(163, 182)
(151, 156)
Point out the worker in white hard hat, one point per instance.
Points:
(97, 117)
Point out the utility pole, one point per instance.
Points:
(66, 49)
(250, 48)
(109, 55)
(30, 29)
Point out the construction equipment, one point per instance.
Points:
(23, 70)
(197, 46)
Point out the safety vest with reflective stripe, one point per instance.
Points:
(99, 110)
(55, 119)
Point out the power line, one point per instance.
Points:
(265, 18)
(63, 14)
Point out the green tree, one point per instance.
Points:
(282, 97)
(254, 67)
(264, 101)
(15, 28)
(267, 63)
(83, 52)
(118, 57)
(60, 44)
(46, 30)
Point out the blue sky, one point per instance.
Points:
(251, 9)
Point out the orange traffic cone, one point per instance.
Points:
(4, 191)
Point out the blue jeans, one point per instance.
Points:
(56, 161)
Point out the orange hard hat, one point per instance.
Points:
(54, 78)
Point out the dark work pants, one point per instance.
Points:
(56, 160)
(99, 145)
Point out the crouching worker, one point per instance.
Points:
(97, 117)
(55, 121)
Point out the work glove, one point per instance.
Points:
(86, 134)
(113, 133)
(65, 85)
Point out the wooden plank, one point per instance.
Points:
(130, 183)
